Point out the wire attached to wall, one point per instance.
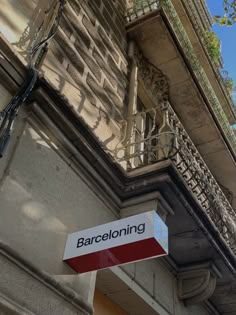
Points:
(7, 116)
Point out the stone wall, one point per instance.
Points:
(42, 197)
(86, 62)
(42, 200)
(91, 65)
(155, 279)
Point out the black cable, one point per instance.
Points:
(53, 31)
(9, 113)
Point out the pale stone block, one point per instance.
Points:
(44, 200)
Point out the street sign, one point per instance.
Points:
(138, 237)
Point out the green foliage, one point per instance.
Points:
(230, 14)
(229, 83)
(215, 53)
(214, 47)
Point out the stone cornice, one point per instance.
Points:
(153, 78)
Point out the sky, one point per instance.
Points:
(227, 36)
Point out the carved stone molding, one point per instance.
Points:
(228, 194)
(153, 78)
(197, 284)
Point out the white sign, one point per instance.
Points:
(134, 238)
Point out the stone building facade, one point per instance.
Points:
(126, 112)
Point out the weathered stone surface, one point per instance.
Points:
(30, 291)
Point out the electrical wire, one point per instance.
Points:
(8, 114)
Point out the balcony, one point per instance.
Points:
(138, 6)
(195, 93)
(172, 142)
(141, 8)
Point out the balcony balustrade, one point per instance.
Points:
(138, 8)
(171, 141)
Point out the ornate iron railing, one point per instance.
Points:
(171, 141)
(139, 8)
(203, 13)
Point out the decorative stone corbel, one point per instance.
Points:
(197, 284)
(156, 83)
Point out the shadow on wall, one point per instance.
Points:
(84, 103)
(21, 21)
(42, 200)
